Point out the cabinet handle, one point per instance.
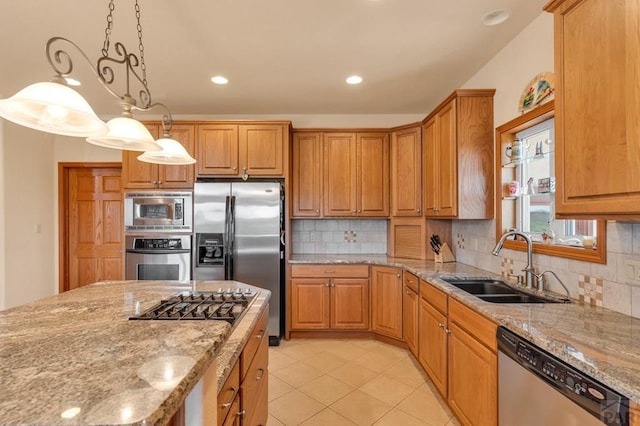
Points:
(417, 210)
(327, 285)
(408, 292)
(242, 413)
(159, 182)
(259, 336)
(441, 325)
(261, 371)
(333, 285)
(234, 168)
(359, 211)
(233, 396)
(329, 271)
(398, 275)
(446, 330)
(318, 212)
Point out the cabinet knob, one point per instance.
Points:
(233, 395)
(398, 275)
(440, 325)
(260, 374)
(317, 212)
(242, 413)
(359, 211)
(417, 210)
(159, 182)
(327, 285)
(446, 330)
(234, 168)
(408, 292)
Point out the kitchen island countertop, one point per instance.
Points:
(75, 358)
(602, 343)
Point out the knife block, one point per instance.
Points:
(445, 255)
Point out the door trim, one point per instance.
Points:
(63, 215)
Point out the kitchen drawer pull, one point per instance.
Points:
(408, 292)
(242, 413)
(233, 396)
(259, 336)
(261, 371)
(329, 271)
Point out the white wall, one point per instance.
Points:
(3, 234)
(528, 54)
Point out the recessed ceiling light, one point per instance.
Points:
(218, 79)
(72, 82)
(496, 17)
(354, 79)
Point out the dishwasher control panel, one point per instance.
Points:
(598, 399)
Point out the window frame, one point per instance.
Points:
(506, 133)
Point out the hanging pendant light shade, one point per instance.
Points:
(173, 153)
(128, 134)
(54, 108)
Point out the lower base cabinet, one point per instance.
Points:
(410, 311)
(386, 301)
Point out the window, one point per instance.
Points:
(526, 190)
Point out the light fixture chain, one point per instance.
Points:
(107, 30)
(141, 46)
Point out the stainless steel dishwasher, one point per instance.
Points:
(536, 388)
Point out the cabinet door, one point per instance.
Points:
(430, 168)
(447, 187)
(597, 128)
(386, 301)
(307, 174)
(350, 304)
(179, 176)
(138, 174)
(217, 148)
(406, 172)
(309, 304)
(372, 171)
(433, 344)
(410, 313)
(339, 174)
(261, 149)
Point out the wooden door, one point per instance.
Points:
(433, 344)
(410, 313)
(446, 156)
(310, 304)
(430, 168)
(372, 171)
(473, 377)
(386, 301)
(406, 172)
(307, 174)
(91, 226)
(138, 174)
(339, 174)
(217, 149)
(261, 149)
(350, 304)
(179, 176)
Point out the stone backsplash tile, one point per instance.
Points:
(339, 236)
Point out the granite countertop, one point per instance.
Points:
(77, 352)
(602, 343)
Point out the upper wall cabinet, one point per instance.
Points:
(307, 174)
(406, 171)
(241, 150)
(356, 174)
(458, 157)
(140, 175)
(597, 108)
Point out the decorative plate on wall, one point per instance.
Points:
(540, 88)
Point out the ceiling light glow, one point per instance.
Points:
(496, 17)
(218, 79)
(354, 79)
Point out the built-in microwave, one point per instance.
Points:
(158, 211)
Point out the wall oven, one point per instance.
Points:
(158, 257)
(158, 211)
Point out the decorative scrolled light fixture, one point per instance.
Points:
(54, 107)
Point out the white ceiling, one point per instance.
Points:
(281, 56)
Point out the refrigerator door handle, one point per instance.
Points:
(227, 238)
(232, 234)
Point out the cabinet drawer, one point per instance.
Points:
(233, 418)
(330, 271)
(436, 297)
(256, 380)
(228, 392)
(258, 333)
(483, 329)
(411, 281)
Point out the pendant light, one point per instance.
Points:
(54, 107)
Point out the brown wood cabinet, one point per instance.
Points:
(307, 174)
(229, 395)
(386, 301)
(329, 297)
(458, 157)
(356, 174)
(433, 335)
(406, 172)
(410, 311)
(140, 175)
(227, 149)
(597, 130)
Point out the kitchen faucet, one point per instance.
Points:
(529, 270)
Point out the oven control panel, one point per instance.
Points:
(158, 243)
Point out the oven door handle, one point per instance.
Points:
(159, 251)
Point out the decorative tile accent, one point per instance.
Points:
(460, 241)
(506, 266)
(590, 290)
(350, 236)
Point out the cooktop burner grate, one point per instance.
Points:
(225, 305)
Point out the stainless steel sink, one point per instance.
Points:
(496, 291)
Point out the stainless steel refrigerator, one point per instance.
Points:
(238, 230)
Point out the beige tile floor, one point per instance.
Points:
(350, 382)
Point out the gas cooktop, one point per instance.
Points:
(226, 305)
